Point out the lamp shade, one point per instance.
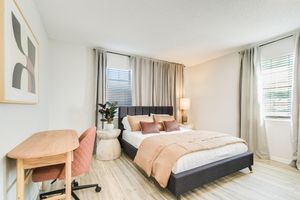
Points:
(185, 103)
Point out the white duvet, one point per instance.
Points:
(191, 160)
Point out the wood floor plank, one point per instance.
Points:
(121, 180)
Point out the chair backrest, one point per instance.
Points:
(82, 156)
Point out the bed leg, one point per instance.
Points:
(250, 168)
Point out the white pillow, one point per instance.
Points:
(159, 114)
(126, 124)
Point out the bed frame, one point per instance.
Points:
(185, 181)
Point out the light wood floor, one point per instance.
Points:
(120, 179)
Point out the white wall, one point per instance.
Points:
(17, 122)
(66, 99)
(280, 140)
(213, 88)
(214, 91)
(72, 86)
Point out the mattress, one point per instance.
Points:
(191, 160)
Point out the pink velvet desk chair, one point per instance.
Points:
(82, 158)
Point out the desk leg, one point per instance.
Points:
(20, 180)
(68, 176)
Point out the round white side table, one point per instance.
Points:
(108, 147)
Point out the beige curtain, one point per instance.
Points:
(296, 107)
(157, 83)
(252, 126)
(179, 85)
(101, 66)
(142, 81)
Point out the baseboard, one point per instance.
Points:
(282, 160)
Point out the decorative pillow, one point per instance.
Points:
(126, 123)
(149, 127)
(152, 114)
(161, 118)
(171, 126)
(135, 120)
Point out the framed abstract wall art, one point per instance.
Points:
(18, 56)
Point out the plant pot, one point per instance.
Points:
(109, 127)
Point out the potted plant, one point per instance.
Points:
(108, 111)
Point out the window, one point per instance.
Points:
(118, 80)
(277, 85)
(277, 63)
(119, 86)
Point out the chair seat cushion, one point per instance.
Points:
(47, 173)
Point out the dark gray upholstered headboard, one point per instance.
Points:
(142, 110)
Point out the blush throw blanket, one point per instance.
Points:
(157, 155)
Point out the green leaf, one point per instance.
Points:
(102, 105)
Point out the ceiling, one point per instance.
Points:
(184, 31)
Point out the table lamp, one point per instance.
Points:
(184, 105)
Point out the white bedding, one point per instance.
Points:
(191, 160)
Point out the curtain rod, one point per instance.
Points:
(276, 40)
(130, 55)
(121, 54)
(270, 41)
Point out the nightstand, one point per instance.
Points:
(187, 126)
(108, 147)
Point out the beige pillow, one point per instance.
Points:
(135, 120)
(160, 120)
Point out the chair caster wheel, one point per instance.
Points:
(98, 189)
(76, 184)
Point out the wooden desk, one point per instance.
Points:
(43, 149)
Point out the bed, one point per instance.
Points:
(187, 175)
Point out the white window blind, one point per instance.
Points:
(277, 85)
(277, 64)
(118, 80)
